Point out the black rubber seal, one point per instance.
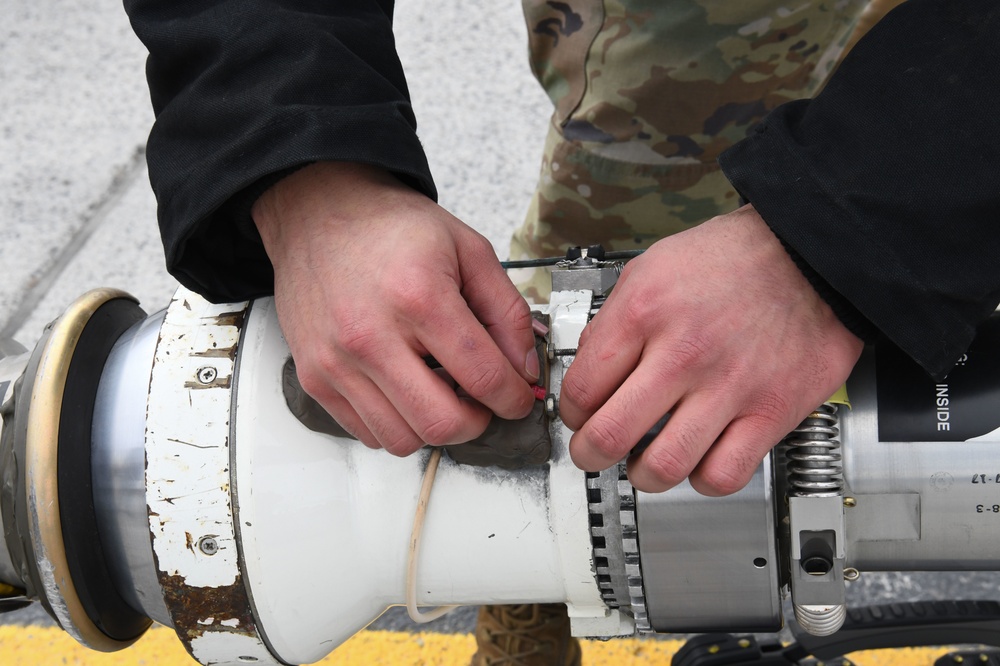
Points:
(84, 553)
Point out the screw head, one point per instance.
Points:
(550, 406)
(207, 374)
(208, 545)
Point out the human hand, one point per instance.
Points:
(717, 326)
(370, 277)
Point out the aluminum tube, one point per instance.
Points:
(118, 469)
(917, 506)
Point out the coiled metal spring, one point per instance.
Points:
(815, 466)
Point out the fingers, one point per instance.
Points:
(703, 440)
(343, 413)
(401, 418)
(473, 359)
(427, 403)
(499, 307)
(605, 357)
(378, 385)
(692, 431)
(610, 433)
(731, 462)
(367, 414)
(718, 338)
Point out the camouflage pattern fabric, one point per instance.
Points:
(647, 93)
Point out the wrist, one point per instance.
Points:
(319, 195)
(848, 315)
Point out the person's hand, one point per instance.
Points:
(371, 277)
(718, 327)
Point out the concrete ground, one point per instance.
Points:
(76, 210)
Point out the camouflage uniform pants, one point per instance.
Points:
(647, 93)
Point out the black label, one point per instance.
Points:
(913, 407)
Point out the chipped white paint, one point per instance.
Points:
(188, 478)
(228, 649)
(187, 443)
(569, 312)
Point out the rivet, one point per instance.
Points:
(850, 502)
(744, 643)
(714, 649)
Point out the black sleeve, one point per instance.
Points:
(246, 91)
(887, 184)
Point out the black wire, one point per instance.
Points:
(552, 261)
(531, 263)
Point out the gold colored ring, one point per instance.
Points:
(41, 466)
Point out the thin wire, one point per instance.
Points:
(411, 563)
(531, 263)
(611, 255)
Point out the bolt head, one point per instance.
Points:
(550, 406)
(207, 375)
(208, 545)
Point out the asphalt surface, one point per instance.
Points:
(76, 211)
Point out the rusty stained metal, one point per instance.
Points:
(218, 382)
(188, 486)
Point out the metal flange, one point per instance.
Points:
(48, 395)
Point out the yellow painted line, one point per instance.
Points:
(42, 646)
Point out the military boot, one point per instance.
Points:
(529, 635)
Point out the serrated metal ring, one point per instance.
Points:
(615, 541)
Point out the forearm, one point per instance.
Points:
(246, 91)
(885, 184)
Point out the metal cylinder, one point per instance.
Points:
(118, 468)
(256, 537)
(711, 563)
(917, 503)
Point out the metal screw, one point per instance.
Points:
(850, 502)
(208, 545)
(850, 573)
(207, 374)
(551, 409)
